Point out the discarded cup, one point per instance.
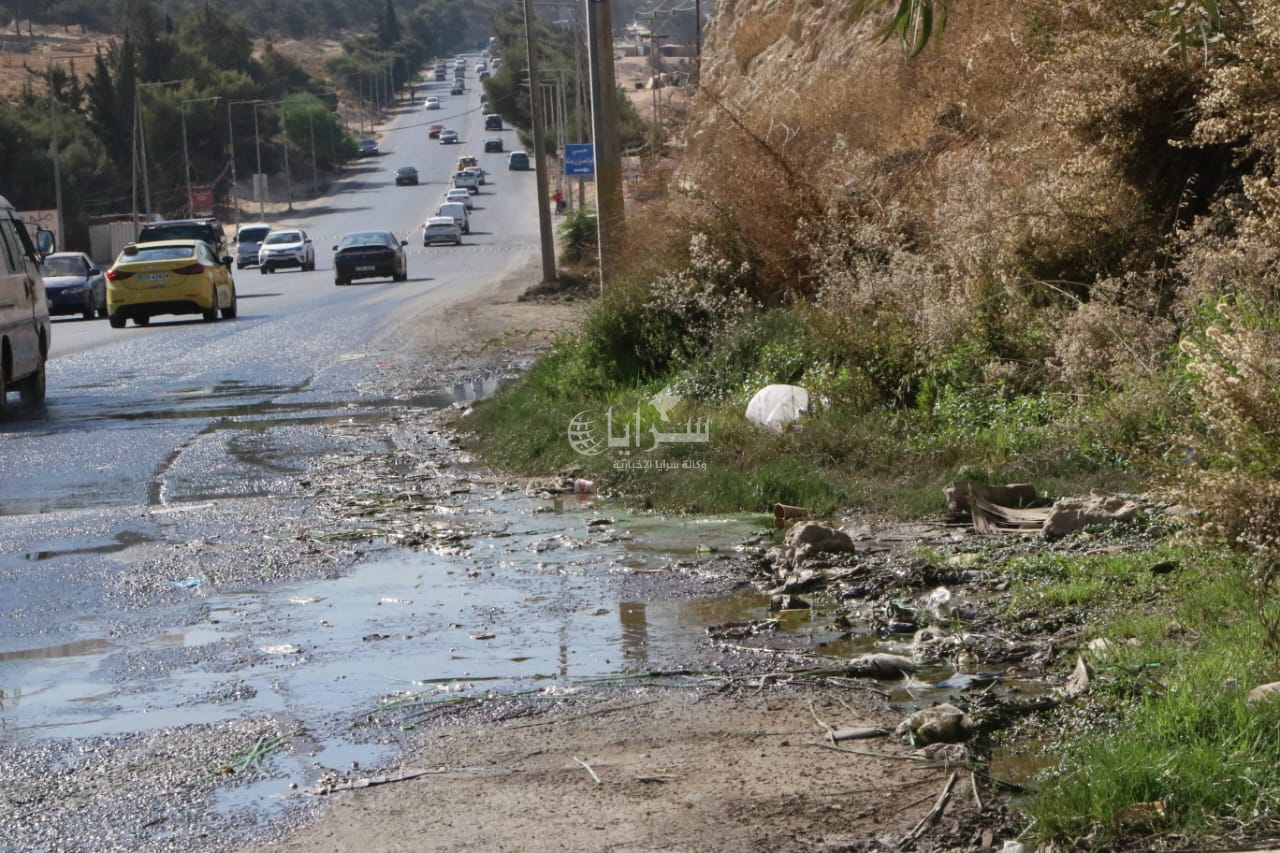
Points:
(584, 487)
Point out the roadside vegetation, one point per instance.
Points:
(1040, 246)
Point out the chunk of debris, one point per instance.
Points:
(1078, 682)
(1264, 693)
(1068, 515)
(943, 723)
(812, 537)
(960, 494)
(881, 665)
(778, 406)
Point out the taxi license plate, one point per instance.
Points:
(153, 276)
(364, 269)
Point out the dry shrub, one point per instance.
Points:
(756, 33)
(1104, 344)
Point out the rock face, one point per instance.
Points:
(777, 406)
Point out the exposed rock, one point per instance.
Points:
(1071, 514)
(1264, 693)
(940, 724)
(811, 537)
(777, 406)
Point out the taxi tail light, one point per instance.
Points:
(118, 275)
(190, 269)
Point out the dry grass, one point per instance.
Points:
(756, 34)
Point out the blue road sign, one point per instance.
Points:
(579, 160)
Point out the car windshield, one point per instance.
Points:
(62, 266)
(160, 253)
(365, 238)
(283, 237)
(177, 231)
(253, 235)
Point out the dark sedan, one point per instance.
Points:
(369, 254)
(74, 285)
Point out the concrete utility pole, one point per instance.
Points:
(540, 171)
(604, 126)
(57, 169)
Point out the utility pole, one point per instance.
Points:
(260, 192)
(540, 171)
(604, 125)
(186, 157)
(315, 174)
(53, 155)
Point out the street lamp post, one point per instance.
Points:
(140, 142)
(231, 138)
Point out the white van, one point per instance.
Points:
(458, 211)
(24, 311)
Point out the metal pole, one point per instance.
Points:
(257, 137)
(186, 160)
(61, 242)
(315, 174)
(288, 179)
(540, 171)
(133, 166)
(231, 144)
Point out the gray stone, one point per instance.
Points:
(1071, 514)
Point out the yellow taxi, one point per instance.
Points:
(169, 277)
(466, 161)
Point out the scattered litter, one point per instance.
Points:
(482, 636)
(395, 601)
(320, 790)
(584, 487)
(788, 602)
(186, 583)
(282, 649)
(370, 638)
(859, 733)
(306, 599)
(784, 514)
(938, 603)
(778, 406)
(881, 665)
(1078, 682)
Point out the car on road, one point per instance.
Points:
(287, 248)
(406, 176)
(434, 131)
(24, 310)
(479, 172)
(458, 194)
(448, 137)
(248, 241)
(466, 180)
(458, 211)
(208, 229)
(169, 277)
(493, 144)
(73, 284)
(457, 88)
(518, 161)
(433, 103)
(368, 147)
(483, 75)
(493, 121)
(441, 229)
(369, 254)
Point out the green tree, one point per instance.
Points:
(389, 26)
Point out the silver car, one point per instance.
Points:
(441, 229)
(249, 239)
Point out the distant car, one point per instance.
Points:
(492, 144)
(466, 180)
(434, 131)
(458, 88)
(465, 161)
(448, 137)
(369, 254)
(73, 284)
(290, 248)
(208, 229)
(481, 66)
(459, 194)
(483, 75)
(479, 172)
(433, 103)
(368, 147)
(458, 211)
(493, 121)
(169, 277)
(441, 229)
(248, 240)
(406, 176)
(518, 161)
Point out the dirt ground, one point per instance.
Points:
(734, 757)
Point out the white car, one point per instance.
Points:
(467, 181)
(286, 248)
(441, 229)
(433, 103)
(479, 172)
(458, 194)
